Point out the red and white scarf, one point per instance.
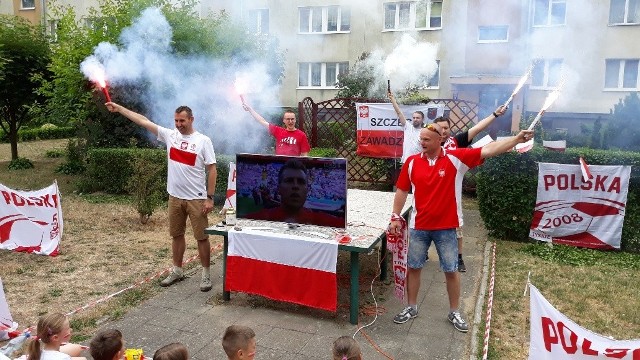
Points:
(398, 243)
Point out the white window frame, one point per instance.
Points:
(625, 18)
(489, 29)
(425, 82)
(621, 71)
(412, 15)
(324, 84)
(259, 19)
(551, 5)
(545, 81)
(23, 7)
(342, 11)
(52, 29)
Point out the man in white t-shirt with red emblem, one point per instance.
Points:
(191, 182)
(289, 140)
(462, 140)
(435, 176)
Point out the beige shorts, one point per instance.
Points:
(179, 210)
(459, 233)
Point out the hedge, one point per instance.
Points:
(507, 190)
(41, 134)
(109, 170)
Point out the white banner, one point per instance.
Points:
(31, 221)
(380, 133)
(230, 200)
(6, 321)
(555, 337)
(572, 211)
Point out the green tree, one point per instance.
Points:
(359, 81)
(623, 131)
(25, 50)
(70, 95)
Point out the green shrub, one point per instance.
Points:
(43, 133)
(109, 170)
(55, 153)
(20, 163)
(323, 152)
(75, 164)
(146, 184)
(507, 190)
(222, 167)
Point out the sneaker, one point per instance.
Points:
(461, 266)
(458, 322)
(205, 284)
(405, 315)
(173, 278)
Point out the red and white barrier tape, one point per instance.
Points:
(101, 300)
(487, 329)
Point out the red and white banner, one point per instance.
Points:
(288, 268)
(379, 132)
(230, 200)
(6, 321)
(31, 221)
(555, 337)
(398, 245)
(575, 211)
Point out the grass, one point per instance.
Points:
(596, 289)
(102, 239)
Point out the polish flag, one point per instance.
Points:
(289, 268)
(557, 145)
(6, 322)
(586, 174)
(524, 147)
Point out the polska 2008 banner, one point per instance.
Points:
(582, 212)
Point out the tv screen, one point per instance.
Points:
(295, 190)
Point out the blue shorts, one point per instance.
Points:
(446, 245)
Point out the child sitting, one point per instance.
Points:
(53, 330)
(107, 345)
(346, 348)
(173, 351)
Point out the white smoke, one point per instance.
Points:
(169, 80)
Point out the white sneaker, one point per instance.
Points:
(205, 283)
(173, 278)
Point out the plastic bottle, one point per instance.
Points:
(14, 344)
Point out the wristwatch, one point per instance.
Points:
(210, 197)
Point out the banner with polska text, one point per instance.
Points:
(379, 132)
(573, 211)
(31, 221)
(553, 336)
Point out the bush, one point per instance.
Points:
(507, 190)
(323, 152)
(54, 154)
(43, 133)
(20, 163)
(146, 184)
(75, 164)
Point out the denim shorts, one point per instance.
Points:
(446, 245)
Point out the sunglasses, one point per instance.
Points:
(432, 128)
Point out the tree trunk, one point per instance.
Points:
(13, 139)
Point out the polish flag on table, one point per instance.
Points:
(555, 145)
(282, 267)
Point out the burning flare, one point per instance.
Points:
(241, 85)
(523, 80)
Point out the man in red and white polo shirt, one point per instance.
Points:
(435, 176)
(462, 140)
(289, 140)
(191, 182)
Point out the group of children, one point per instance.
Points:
(239, 343)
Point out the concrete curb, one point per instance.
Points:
(477, 318)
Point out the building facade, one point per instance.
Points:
(484, 47)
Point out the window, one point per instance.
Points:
(52, 29)
(549, 12)
(624, 12)
(546, 73)
(258, 21)
(492, 34)
(28, 4)
(324, 19)
(432, 82)
(321, 74)
(621, 74)
(413, 15)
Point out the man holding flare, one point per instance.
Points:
(434, 175)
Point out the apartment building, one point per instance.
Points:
(485, 46)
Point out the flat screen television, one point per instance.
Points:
(291, 189)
